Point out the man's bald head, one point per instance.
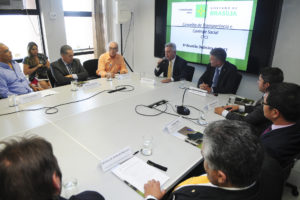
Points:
(5, 53)
(113, 49)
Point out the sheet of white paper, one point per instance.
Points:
(136, 172)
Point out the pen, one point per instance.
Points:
(134, 188)
(136, 152)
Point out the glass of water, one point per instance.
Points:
(203, 115)
(12, 100)
(147, 145)
(182, 84)
(109, 76)
(142, 75)
(231, 100)
(70, 187)
(74, 85)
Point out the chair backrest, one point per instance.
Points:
(51, 78)
(237, 80)
(91, 67)
(189, 73)
(271, 179)
(287, 169)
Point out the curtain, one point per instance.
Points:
(99, 28)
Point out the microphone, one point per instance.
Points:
(182, 110)
(116, 90)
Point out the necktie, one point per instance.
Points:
(170, 70)
(216, 78)
(70, 68)
(267, 130)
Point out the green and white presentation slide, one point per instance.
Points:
(197, 26)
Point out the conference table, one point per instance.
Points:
(84, 133)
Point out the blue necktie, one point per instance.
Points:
(216, 78)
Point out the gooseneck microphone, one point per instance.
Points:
(182, 110)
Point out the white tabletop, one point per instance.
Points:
(84, 133)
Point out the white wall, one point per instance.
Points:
(287, 50)
(54, 29)
(144, 60)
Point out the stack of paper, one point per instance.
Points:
(137, 173)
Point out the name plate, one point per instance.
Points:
(122, 76)
(115, 159)
(29, 97)
(90, 85)
(197, 91)
(149, 81)
(174, 126)
(210, 106)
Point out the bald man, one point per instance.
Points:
(12, 79)
(111, 62)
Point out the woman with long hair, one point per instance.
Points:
(36, 66)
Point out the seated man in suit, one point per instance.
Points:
(67, 69)
(255, 113)
(12, 79)
(29, 170)
(172, 66)
(111, 62)
(220, 75)
(282, 106)
(233, 161)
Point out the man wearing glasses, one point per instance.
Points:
(282, 106)
(111, 62)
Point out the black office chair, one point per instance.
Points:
(189, 73)
(237, 80)
(51, 78)
(287, 170)
(91, 67)
(271, 179)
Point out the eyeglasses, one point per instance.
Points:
(115, 49)
(270, 106)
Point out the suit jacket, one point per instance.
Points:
(227, 78)
(268, 186)
(178, 68)
(255, 117)
(87, 195)
(59, 71)
(282, 144)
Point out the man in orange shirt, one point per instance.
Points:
(111, 62)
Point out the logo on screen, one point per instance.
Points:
(200, 11)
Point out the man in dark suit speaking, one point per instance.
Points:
(220, 75)
(172, 66)
(66, 68)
